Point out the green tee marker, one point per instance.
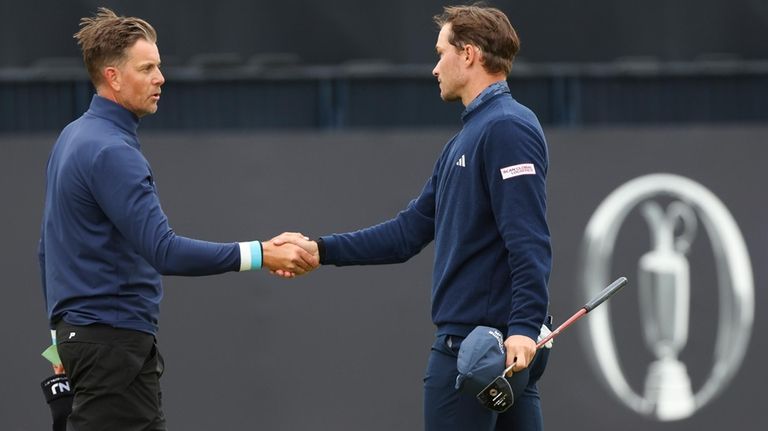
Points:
(52, 354)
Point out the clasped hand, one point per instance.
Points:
(290, 254)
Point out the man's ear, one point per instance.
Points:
(471, 54)
(112, 77)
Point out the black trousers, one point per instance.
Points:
(115, 374)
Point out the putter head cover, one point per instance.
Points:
(481, 363)
(58, 393)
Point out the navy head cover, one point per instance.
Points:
(481, 363)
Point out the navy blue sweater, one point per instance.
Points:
(485, 207)
(105, 239)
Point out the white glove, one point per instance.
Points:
(543, 334)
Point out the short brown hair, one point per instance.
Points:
(104, 38)
(486, 28)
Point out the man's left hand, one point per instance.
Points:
(520, 351)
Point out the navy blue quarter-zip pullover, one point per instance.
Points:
(105, 240)
(485, 207)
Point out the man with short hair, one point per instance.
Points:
(105, 240)
(485, 207)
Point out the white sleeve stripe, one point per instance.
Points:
(245, 256)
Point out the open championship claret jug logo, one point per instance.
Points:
(664, 288)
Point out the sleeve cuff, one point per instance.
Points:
(321, 249)
(528, 331)
(325, 247)
(250, 255)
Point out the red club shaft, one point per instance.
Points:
(565, 324)
(591, 305)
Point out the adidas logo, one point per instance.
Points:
(462, 162)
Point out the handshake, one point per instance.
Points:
(290, 254)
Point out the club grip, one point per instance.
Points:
(606, 293)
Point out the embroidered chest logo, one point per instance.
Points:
(462, 161)
(517, 170)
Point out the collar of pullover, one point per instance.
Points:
(111, 111)
(490, 91)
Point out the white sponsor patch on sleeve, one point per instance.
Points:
(517, 170)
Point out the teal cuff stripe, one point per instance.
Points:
(255, 255)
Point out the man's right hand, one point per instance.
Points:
(294, 239)
(290, 254)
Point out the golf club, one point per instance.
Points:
(498, 394)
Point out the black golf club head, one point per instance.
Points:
(498, 395)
